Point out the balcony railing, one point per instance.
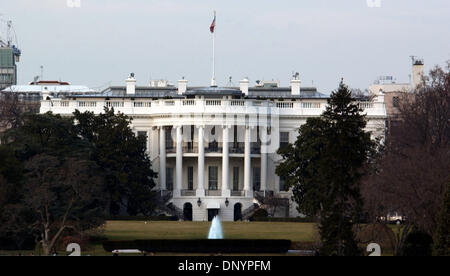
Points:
(237, 148)
(255, 148)
(237, 193)
(213, 192)
(188, 192)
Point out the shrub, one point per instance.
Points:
(417, 243)
(202, 246)
(259, 215)
(275, 219)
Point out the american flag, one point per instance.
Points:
(213, 24)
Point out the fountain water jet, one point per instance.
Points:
(215, 231)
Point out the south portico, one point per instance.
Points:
(204, 209)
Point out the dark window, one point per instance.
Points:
(256, 179)
(283, 186)
(237, 212)
(169, 179)
(187, 211)
(142, 134)
(395, 101)
(190, 178)
(169, 140)
(235, 178)
(213, 178)
(284, 139)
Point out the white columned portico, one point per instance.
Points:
(247, 163)
(225, 162)
(162, 158)
(201, 163)
(179, 162)
(263, 158)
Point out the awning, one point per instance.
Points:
(213, 205)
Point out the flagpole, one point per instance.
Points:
(213, 81)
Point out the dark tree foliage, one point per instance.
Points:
(49, 185)
(122, 157)
(411, 175)
(442, 239)
(324, 167)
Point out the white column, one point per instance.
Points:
(201, 163)
(247, 164)
(225, 163)
(179, 162)
(263, 132)
(162, 158)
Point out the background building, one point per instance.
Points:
(8, 68)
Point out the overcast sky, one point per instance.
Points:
(102, 41)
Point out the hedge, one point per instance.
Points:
(142, 218)
(274, 219)
(202, 246)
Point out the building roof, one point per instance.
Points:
(208, 92)
(49, 88)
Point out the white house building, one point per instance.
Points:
(214, 148)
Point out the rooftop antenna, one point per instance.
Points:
(42, 72)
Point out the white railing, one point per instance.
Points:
(285, 105)
(114, 104)
(87, 104)
(188, 102)
(142, 104)
(237, 103)
(213, 102)
(178, 106)
(365, 105)
(311, 105)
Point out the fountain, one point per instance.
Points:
(215, 231)
(214, 244)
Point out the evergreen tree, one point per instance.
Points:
(324, 167)
(123, 158)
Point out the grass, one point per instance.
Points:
(131, 230)
(134, 230)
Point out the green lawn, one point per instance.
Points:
(129, 230)
(132, 230)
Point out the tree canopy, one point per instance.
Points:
(324, 168)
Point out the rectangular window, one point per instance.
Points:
(284, 139)
(169, 179)
(256, 179)
(142, 133)
(283, 186)
(190, 178)
(395, 101)
(235, 178)
(169, 140)
(213, 178)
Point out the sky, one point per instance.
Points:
(99, 42)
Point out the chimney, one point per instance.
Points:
(131, 85)
(417, 73)
(295, 85)
(182, 86)
(45, 93)
(243, 85)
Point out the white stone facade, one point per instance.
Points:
(215, 143)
